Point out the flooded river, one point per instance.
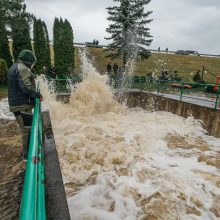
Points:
(119, 163)
(126, 164)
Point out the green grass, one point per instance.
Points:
(185, 65)
(3, 90)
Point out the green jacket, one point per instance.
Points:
(21, 87)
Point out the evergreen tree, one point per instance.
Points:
(47, 43)
(4, 45)
(63, 47)
(57, 44)
(69, 47)
(128, 30)
(41, 45)
(21, 36)
(9, 12)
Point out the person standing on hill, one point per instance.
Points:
(109, 68)
(197, 77)
(52, 73)
(115, 69)
(22, 94)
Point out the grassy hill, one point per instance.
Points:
(185, 65)
(3, 90)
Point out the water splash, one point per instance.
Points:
(160, 64)
(86, 63)
(120, 163)
(4, 110)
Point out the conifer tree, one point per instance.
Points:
(129, 34)
(57, 46)
(21, 36)
(10, 14)
(4, 45)
(41, 45)
(63, 47)
(10, 10)
(13, 15)
(69, 47)
(47, 43)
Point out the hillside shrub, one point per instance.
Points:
(3, 71)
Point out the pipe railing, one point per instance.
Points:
(195, 93)
(33, 195)
(184, 91)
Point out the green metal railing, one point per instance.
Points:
(33, 195)
(190, 92)
(63, 84)
(197, 94)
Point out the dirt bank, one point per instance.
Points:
(11, 169)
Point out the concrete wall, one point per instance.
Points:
(210, 117)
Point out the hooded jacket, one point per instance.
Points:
(21, 86)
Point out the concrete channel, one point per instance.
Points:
(12, 168)
(153, 102)
(56, 203)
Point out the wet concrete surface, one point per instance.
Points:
(56, 202)
(11, 170)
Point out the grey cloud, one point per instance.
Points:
(177, 24)
(202, 3)
(188, 24)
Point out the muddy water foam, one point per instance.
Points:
(127, 164)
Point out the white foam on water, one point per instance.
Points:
(4, 110)
(117, 164)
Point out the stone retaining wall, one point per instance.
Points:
(210, 117)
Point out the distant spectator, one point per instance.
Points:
(171, 76)
(197, 78)
(120, 72)
(97, 42)
(176, 77)
(158, 49)
(149, 76)
(175, 73)
(166, 50)
(115, 69)
(164, 75)
(94, 42)
(52, 72)
(43, 70)
(109, 68)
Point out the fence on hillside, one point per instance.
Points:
(197, 93)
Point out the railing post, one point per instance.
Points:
(217, 97)
(181, 92)
(158, 87)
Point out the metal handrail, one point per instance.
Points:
(33, 195)
(182, 91)
(145, 83)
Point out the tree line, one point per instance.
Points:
(15, 26)
(128, 29)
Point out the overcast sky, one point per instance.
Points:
(177, 24)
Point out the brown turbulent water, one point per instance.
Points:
(11, 170)
(127, 164)
(122, 164)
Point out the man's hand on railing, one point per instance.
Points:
(41, 98)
